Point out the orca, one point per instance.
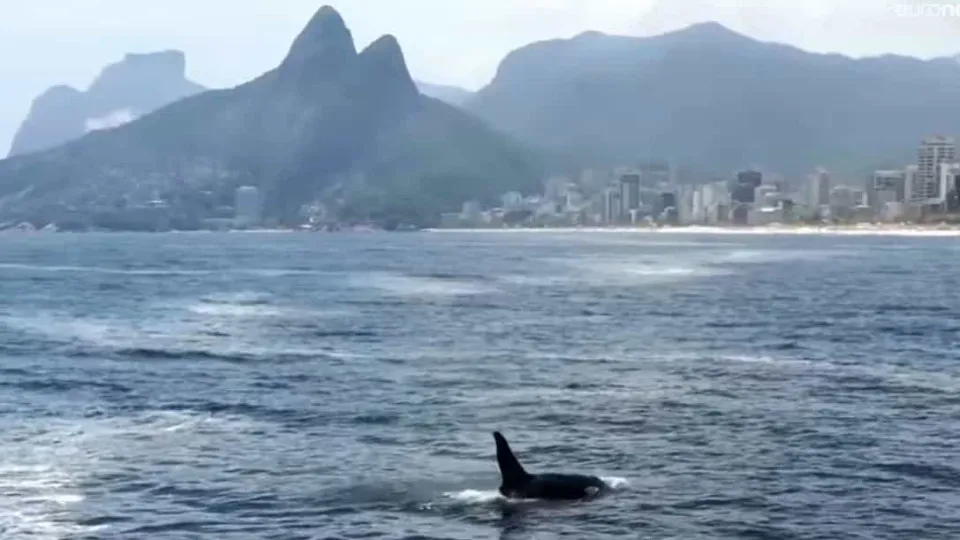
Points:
(517, 483)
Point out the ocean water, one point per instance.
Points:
(261, 386)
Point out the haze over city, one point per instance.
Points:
(458, 43)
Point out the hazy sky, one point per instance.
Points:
(47, 42)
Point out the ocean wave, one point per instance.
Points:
(424, 286)
(638, 270)
(182, 340)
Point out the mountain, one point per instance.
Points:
(330, 124)
(453, 95)
(716, 100)
(139, 84)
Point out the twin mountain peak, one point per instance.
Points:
(329, 124)
(325, 51)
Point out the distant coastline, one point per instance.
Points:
(941, 230)
(850, 230)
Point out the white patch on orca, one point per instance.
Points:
(592, 490)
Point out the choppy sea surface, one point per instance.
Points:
(288, 386)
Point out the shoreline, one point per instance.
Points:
(794, 230)
(834, 230)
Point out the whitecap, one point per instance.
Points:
(641, 271)
(615, 482)
(234, 310)
(407, 285)
(768, 360)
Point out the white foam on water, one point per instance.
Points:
(640, 271)
(659, 268)
(229, 307)
(234, 310)
(615, 482)
(62, 328)
(474, 496)
(758, 256)
(413, 286)
(767, 360)
(543, 280)
(165, 336)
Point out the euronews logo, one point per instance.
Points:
(926, 9)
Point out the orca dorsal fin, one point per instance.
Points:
(510, 469)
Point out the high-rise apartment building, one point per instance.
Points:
(818, 188)
(934, 152)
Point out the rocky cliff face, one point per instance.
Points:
(137, 85)
(327, 122)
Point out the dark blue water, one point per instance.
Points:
(322, 386)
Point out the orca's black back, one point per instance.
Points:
(562, 486)
(516, 482)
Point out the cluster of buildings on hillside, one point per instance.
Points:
(203, 210)
(652, 195)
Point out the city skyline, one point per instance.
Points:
(927, 189)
